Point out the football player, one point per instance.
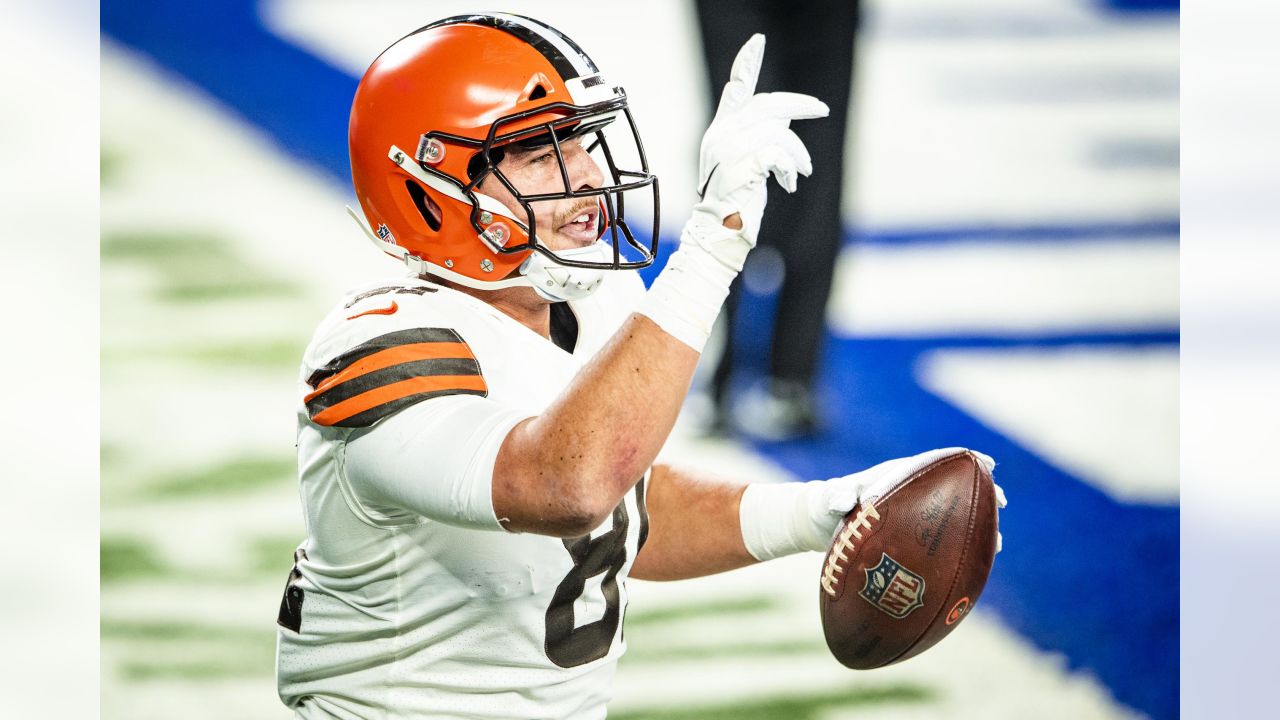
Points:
(477, 440)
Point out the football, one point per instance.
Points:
(904, 569)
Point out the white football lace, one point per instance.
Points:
(843, 544)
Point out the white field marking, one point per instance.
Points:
(1074, 15)
(1107, 415)
(240, 698)
(247, 605)
(666, 83)
(1004, 288)
(937, 142)
(1017, 129)
(185, 168)
(212, 533)
(190, 167)
(132, 316)
(171, 418)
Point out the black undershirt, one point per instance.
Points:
(564, 327)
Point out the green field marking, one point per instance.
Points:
(234, 476)
(247, 353)
(166, 248)
(277, 355)
(273, 554)
(128, 559)
(265, 558)
(110, 456)
(187, 668)
(791, 707)
(226, 286)
(641, 652)
(170, 631)
(191, 651)
(193, 266)
(697, 611)
(110, 164)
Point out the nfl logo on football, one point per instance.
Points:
(892, 588)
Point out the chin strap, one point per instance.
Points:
(558, 283)
(551, 280)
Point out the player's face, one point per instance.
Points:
(559, 224)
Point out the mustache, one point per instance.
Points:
(577, 210)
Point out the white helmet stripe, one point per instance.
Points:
(577, 59)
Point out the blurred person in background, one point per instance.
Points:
(811, 52)
(477, 440)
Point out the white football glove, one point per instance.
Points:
(814, 510)
(748, 140)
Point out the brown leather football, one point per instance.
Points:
(903, 571)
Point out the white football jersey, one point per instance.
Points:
(408, 609)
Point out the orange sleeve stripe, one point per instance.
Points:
(385, 394)
(394, 356)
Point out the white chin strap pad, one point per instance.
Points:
(559, 283)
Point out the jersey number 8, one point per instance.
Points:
(569, 646)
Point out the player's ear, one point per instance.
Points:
(426, 206)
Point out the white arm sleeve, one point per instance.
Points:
(435, 459)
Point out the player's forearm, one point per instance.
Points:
(560, 473)
(693, 526)
(567, 468)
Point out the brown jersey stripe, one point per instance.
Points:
(329, 396)
(380, 343)
(392, 356)
(368, 407)
(373, 415)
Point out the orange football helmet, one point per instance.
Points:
(429, 122)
